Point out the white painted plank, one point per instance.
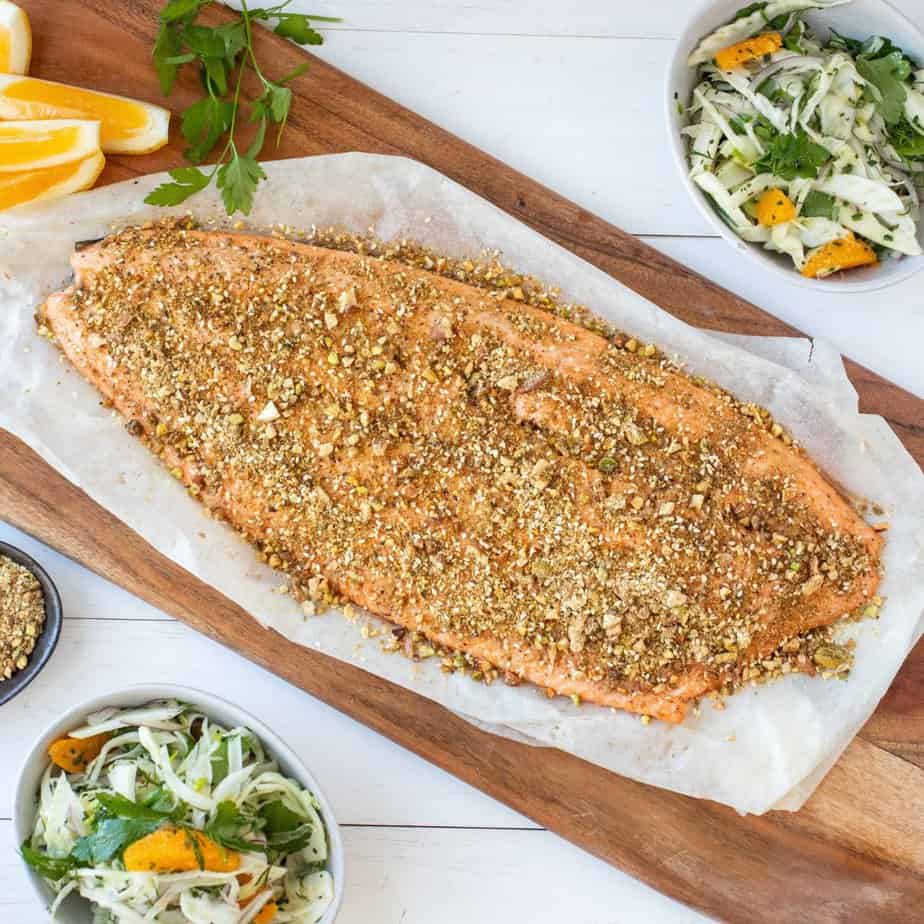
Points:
(883, 330)
(583, 117)
(369, 780)
(425, 876)
(546, 18)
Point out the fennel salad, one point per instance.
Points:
(812, 147)
(159, 814)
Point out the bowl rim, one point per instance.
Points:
(51, 629)
(872, 281)
(146, 692)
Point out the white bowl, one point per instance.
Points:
(858, 19)
(76, 910)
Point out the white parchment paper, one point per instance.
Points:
(771, 744)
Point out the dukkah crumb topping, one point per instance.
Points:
(22, 615)
(490, 463)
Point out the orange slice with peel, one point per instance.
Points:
(35, 145)
(15, 39)
(127, 126)
(49, 183)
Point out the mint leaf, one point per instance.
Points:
(285, 830)
(238, 181)
(188, 181)
(278, 818)
(818, 205)
(119, 822)
(908, 142)
(110, 838)
(789, 156)
(227, 827)
(115, 806)
(887, 76)
(53, 868)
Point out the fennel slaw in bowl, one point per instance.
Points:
(160, 813)
(805, 139)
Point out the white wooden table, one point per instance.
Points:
(571, 95)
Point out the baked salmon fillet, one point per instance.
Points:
(571, 509)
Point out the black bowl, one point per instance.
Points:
(45, 643)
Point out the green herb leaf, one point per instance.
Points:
(842, 42)
(298, 28)
(53, 868)
(203, 124)
(222, 54)
(181, 9)
(238, 181)
(907, 141)
(278, 818)
(118, 823)
(227, 827)
(285, 830)
(746, 11)
(818, 205)
(789, 156)
(110, 837)
(116, 806)
(167, 50)
(187, 182)
(887, 76)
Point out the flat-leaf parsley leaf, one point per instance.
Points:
(222, 54)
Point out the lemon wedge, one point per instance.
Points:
(51, 183)
(35, 145)
(128, 126)
(15, 39)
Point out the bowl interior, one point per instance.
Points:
(51, 630)
(857, 19)
(76, 910)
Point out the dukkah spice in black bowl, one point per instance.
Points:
(30, 620)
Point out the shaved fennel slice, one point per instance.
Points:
(709, 183)
(157, 716)
(901, 238)
(313, 895)
(868, 195)
(816, 232)
(747, 26)
(122, 777)
(161, 759)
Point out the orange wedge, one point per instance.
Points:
(128, 126)
(35, 145)
(51, 183)
(15, 39)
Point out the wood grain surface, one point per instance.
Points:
(854, 853)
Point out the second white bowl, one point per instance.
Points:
(858, 19)
(76, 910)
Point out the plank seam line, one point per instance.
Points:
(372, 30)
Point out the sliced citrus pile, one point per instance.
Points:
(51, 183)
(46, 143)
(53, 135)
(15, 39)
(127, 125)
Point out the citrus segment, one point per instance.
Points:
(15, 39)
(50, 183)
(128, 126)
(34, 145)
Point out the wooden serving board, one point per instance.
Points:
(854, 853)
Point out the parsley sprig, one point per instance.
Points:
(223, 54)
